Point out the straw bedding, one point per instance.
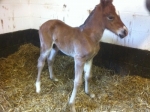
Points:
(113, 92)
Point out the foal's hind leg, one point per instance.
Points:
(41, 63)
(50, 60)
(87, 76)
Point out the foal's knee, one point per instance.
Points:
(41, 62)
(77, 83)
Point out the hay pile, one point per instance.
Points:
(113, 92)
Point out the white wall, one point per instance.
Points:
(24, 14)
(74, 14)
(14, 15)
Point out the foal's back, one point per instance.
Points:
(69, 40)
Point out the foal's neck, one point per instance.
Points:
(93, 26)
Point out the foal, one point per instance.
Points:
(82, 43)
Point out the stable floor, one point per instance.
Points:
(114, 92)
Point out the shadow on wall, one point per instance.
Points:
(148, 5)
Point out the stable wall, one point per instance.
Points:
(14, 15)
(30, 14)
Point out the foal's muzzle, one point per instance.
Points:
(122, 32)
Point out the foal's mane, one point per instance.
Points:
(91, 14)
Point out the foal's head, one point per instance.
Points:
(111, 19)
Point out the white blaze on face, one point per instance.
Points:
(125, 28)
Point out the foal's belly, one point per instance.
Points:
(69, 53)
(84, 53)
(68, 50)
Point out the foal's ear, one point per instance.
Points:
(105, 2)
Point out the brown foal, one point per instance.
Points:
(82, 43)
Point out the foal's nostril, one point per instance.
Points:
(122, 32)
(125, 32)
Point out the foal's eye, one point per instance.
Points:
(110, 18)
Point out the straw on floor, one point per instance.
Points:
(113, 92)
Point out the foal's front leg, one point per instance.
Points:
(79, 64)
(87, 76)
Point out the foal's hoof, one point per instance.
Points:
(72, 108)
(92, 95)
(54, 79)
(37, 84)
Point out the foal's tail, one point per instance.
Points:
(45, 36)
